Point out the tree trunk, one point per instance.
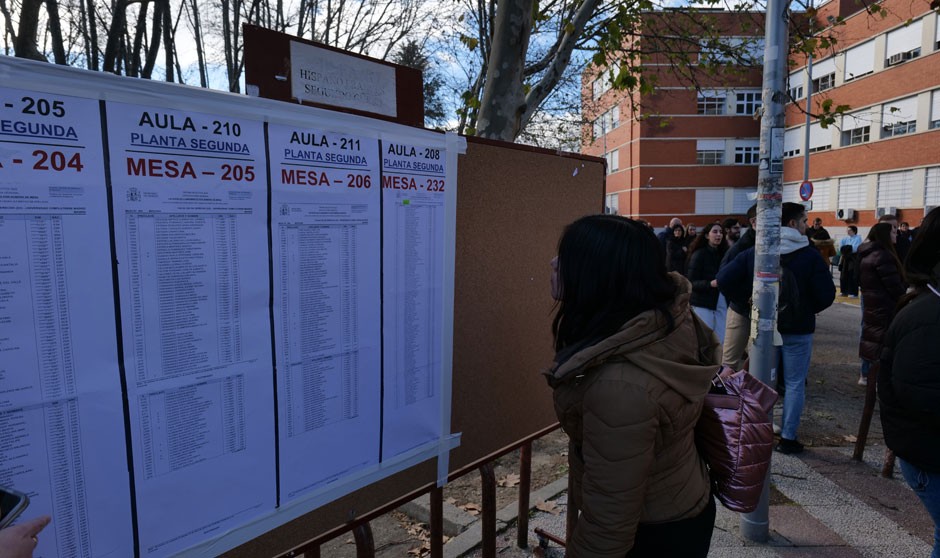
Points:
(153, 48)
(91, 37)
(503, 100)
(115, 35)
(55, 30)
(25, 45)
(7, 20)
(135, 64)
(200, 52)
(168, 40)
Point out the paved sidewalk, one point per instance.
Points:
(824, 505)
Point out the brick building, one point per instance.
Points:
(693, 154)
(883, 155)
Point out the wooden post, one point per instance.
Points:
(437, 522)
(365, 544)
(488, 481)
(887, 470)
(867, 412)
(525, 487)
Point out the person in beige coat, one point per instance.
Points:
(629, 381)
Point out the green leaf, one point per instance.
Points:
(826, 105)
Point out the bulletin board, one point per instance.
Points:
(513, 204)
(170, 243)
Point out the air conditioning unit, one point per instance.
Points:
(845, 214)
(896, 58)
(887, 210)
(929, 208)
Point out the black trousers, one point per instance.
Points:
(686, 538)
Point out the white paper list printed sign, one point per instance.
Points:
(413, 185)
(326, 237)
(60, 391)
(190, 220)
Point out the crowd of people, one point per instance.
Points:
(642, 322)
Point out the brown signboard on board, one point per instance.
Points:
(287, 68)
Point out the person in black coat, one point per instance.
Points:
(909, 380)
(848, 271)
(704, 260)
(882, 285)
(676, 250)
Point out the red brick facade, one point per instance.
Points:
(658, 175)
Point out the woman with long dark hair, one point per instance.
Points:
(704, 260)
(632, 367)
(882, 284)
(676, 250)
(909, 380)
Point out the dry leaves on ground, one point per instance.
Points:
(509, 480)
(472, 509)
(549, 507)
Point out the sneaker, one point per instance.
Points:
(862, 381)
(777, 429)
(789, 446)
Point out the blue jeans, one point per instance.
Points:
(866, 366)
(927, 487)
(795, 352)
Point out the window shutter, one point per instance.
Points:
(818, 136)
(823, 68)
(906, 111)
(894, 188)
(710, 201)
(904, 39)
(860, 60)
(852, 192)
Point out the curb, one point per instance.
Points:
(473, 535)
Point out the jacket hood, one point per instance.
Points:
(791, 240)
(867, 247)
(676, 357)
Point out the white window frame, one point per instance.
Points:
(747, 102)
(746, 154)
(711, 102)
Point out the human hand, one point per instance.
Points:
(19, 541)
(714, 283)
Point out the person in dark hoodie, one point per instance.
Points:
(909, 380)
(738, 321)
(882, 285)
(629, 380)
(814, 292)
(676, 250)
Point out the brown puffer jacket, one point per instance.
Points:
(882, 286)
(629, 405)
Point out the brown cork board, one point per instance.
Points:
(512, 205)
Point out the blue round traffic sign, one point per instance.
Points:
(806, 190)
